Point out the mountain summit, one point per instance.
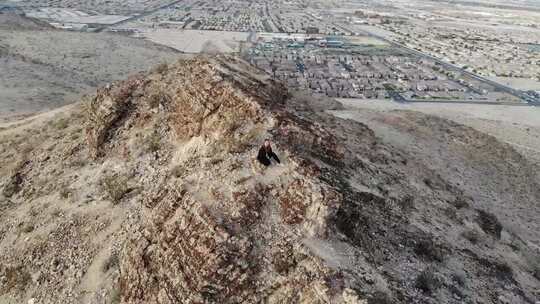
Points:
(150, 192)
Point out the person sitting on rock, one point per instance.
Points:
(266, 154)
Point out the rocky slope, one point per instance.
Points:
(148, 192)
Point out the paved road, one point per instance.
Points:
(501, 87)
(104, 27)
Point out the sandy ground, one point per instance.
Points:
(518, 83)
(194, 41)
(73, 16)
(42, 70)
(516, 125)
(366, 40)
(104, 6)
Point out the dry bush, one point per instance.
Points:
(115, 296)
(160, 68)
(65, 192)
(115, 186)
(489, 223)
(472, 235)
(56, 212)
(532, 258)
(111, 262)
(380, 297)
(460, 202)
(429, 249)
(498, 269)
(27, 228)
(238, 143)
(13, 185)
(242, 180)
(78, 162)
(157, 98)
(61, 123)
(460, 277)
(152, 142)
(178, 171)
(14, 278)
(407, 203)
(428, 281)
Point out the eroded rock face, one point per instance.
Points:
(221, 233)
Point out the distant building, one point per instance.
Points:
(312, 30)
(334, 43)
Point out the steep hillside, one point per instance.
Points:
(149, 192)
(12, 21)
(43, 68)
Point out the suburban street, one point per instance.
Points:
(526, 98)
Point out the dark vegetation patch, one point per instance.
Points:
(428, 281)
(407, 203)
(497, 269)
(14, 184)
(115, 187)
(460, 202)
(283, 259)
(489, 223)
(380, 297)
(372, 223)
(472, 235)
(15, 278)
(429, 249)
(111, 262)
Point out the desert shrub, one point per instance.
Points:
(515, 242)
(78, 162)
(152, 142)
(532, 258)
(535, 269)
(25, 149)
(489, 223)
(161, 68)
(407, 203)
(14, 184)
(283, 261)
(428, 281)
(178, 171)
(14, 278)
(65, 192)
(472, 235)
(61, 123)
(242, 180)
(111, 262)
(460, 202)
(499, 269)
(115, 296)
(451, 213)
(115, 186)
(27, 228)
(157, 98)
(429, 249)
(380, 297)
(460, 278)
(56, 212)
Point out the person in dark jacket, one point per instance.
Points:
(266, 154)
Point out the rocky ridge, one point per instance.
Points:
(165, 203)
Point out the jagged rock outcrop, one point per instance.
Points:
(237, 238)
